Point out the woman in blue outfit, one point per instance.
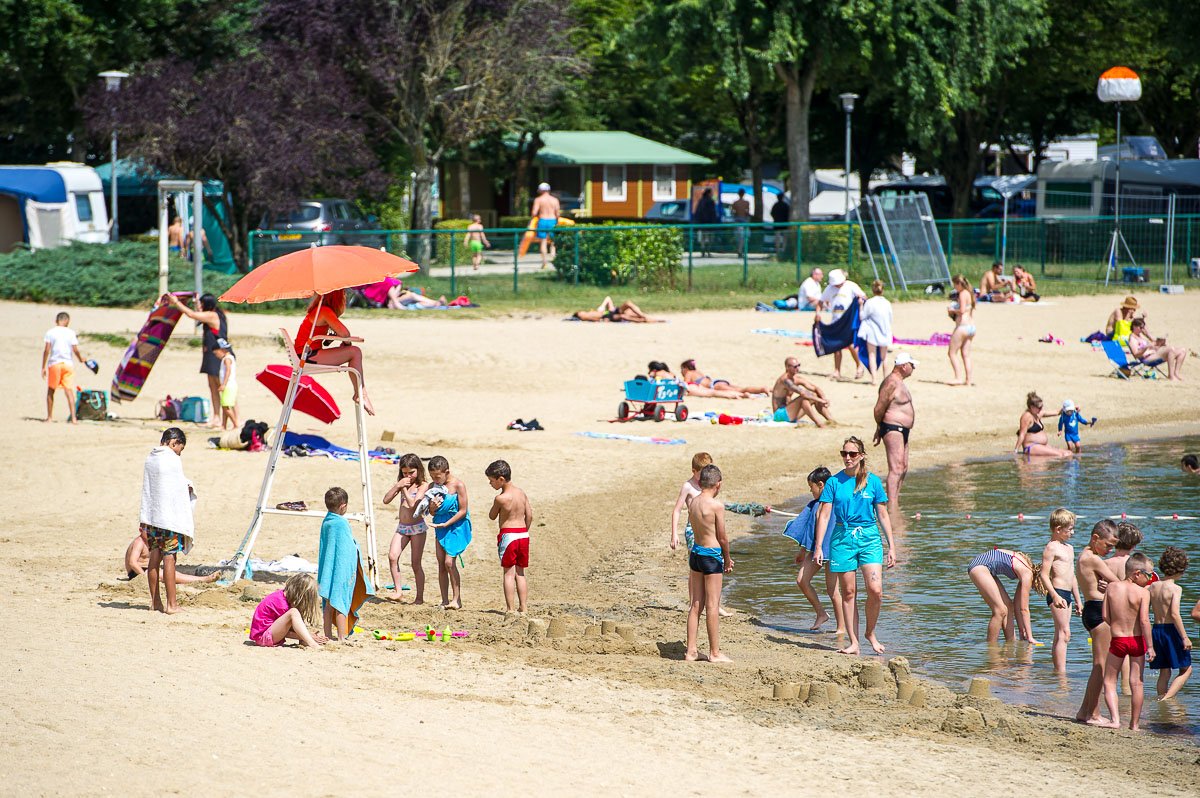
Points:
(853, 507)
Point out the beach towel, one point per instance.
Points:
(340, 578)
(937, 339)
(453, 539)
(142, 353)
(422, 507)
(803, 334)
(167, 495)
(835, 336)
(634, 438)
(316, 446)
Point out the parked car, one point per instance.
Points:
(677, 211)
(315, 223)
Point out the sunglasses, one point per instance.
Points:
(845, 453)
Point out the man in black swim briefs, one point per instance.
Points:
(894, 417)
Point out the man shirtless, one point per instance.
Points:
(137, 562)
(809, 399)
(995, 287)
(1094, 575)
(546, 209)
(175, 236)
(894, 416)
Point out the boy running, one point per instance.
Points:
(515, 516)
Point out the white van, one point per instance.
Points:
(48, 206)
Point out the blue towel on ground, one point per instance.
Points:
(340, 579)
(322, 446)
(833, 337)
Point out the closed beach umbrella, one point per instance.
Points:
(311, 398)
(317, 270)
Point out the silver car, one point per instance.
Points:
(315, 223)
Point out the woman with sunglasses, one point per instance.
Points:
(853, 506)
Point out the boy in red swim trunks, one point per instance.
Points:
(512, 509)
(1127, 613)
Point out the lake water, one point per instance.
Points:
(933, 614)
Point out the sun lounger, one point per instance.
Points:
(1124, 365)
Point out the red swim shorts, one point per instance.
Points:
(516, 552)
(1127, 647)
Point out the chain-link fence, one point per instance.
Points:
(710, 258)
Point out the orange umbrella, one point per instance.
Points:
(317, 270)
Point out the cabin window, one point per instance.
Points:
(83, 207)
(1068, 195)
(664, 182)
(614, 183)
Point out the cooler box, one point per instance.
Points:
(194, 408)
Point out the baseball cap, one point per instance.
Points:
(905, 357)
(1068, 405)
(543, 186)
(837, 277)
(222, 344)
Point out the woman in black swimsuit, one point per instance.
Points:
(215, 326)
(1031, 432)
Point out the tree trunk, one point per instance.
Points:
(962, 163)
(464, 189)
(422, 210)
(749, 122)
(799, 81)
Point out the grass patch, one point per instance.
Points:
(115, 340)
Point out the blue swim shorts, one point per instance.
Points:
(781, 414)
(1071, 438)
(544, 226)
(853, 548)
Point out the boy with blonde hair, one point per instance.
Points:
(708, 560)
(476, 240)
(1127, 613)
(1171, 641)
(1057, 578)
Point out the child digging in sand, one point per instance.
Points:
(410, 529)
(1171, 642)
(512, 511)
(1127, 613)
(1094, 575)
(802, 529)
(708, 560)
(286, 614)
(688, 491)
(452, 528)
(1058, 582)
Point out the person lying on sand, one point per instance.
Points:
(609, 311)
(694, 378)
(137, 562)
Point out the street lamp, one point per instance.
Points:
(848, 106)
(112, 82)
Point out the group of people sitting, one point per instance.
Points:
(1127, 327)
(996, 286)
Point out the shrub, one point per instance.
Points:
(105, 275)
(649, 256)
(442, 250)
(822, 245)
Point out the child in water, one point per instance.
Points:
(1171, 641)
(802, 529)
(1058, 582)
(1069, 420)
(1127, 613)
(985, 571)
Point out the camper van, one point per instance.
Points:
(47, 206)
(1087, 188)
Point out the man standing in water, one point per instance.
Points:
(546, 209)
(894, 416)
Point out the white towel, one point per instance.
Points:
(167, 495)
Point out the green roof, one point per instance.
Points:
(580, 147)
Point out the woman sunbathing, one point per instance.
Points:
(1149, 349)
(699, 384)
(609, 311)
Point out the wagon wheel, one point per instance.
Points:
(660, 413)
(623, 411)
(681, 412)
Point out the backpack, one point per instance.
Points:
(91, 405)
(168, 409)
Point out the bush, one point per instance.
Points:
(649, 256)
(824, 244)
(103, 275)
(442, 249)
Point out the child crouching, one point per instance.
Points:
(287, 613)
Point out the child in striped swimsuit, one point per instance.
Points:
(985, 571)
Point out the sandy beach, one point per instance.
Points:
(108, 697)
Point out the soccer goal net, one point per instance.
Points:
(904, 233)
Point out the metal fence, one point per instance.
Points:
(717, 257)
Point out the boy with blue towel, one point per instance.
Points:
(340, 580)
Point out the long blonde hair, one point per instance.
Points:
(860, 474)
(960, 282)
(301, 593)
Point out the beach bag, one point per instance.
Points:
(195, 409)
(167, 409)
(91, 405)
